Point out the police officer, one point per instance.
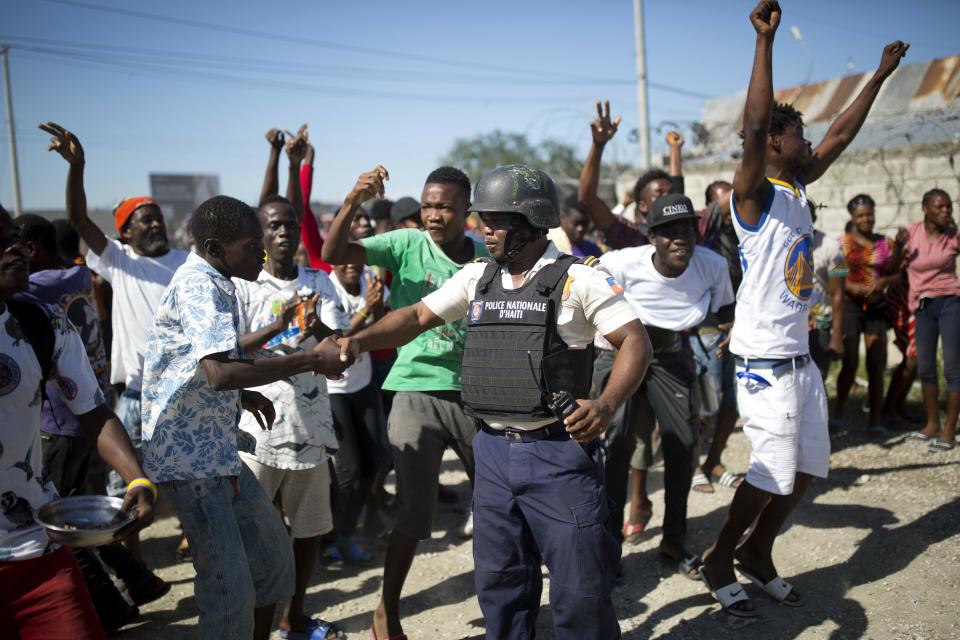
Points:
(532, 315)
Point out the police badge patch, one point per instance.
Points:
(476, 310)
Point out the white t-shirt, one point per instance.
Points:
(773, 302)
(302, 436)
(138, 282)
(24, 487)
(360, 373)
(592, 303)
(678, 303)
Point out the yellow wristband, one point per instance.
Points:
(363, 313)
(143, 482)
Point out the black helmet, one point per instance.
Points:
(517, 188)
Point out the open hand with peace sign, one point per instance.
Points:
(64, 143)
(602, 128)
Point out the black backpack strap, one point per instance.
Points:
(38, 329)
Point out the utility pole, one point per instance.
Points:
(644, 125)
(14, 170)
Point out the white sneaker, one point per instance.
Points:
(467, 530)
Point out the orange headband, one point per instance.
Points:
(126, 208)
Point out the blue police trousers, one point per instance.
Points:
(543, 502)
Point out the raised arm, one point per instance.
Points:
(271, 179)
(845, 128)
(68, 146)
(750, 186)
(309, 231)
(339, 248)
(602, 129)
(675, 145)
(296, 151)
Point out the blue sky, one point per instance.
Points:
(390, 83)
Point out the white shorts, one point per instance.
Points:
(786, 423)
(304, 496)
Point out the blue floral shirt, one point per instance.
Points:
(189, 428)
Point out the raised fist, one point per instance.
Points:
(890, 60)
(765, 17)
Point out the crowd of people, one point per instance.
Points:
(267, 379)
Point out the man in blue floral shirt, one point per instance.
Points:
(193, 376)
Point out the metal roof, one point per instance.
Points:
(918, 104)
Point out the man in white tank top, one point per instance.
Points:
(780, 393)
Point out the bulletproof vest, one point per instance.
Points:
(503, 326)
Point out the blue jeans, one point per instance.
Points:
(128, 410)
(241, 551)
(939, 318)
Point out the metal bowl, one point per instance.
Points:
(83, 521)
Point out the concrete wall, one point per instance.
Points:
(896, 178)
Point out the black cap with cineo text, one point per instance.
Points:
(670, 208)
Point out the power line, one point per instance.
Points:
(322, 44)
(114, 65)
(182, 70)
(536, 73)
(191, 59)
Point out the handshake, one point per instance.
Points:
(332, 355)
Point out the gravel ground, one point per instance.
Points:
(874, 548)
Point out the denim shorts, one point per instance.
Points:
(241, 551)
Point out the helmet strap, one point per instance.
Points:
(512, 246)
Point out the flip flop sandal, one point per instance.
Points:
(936, 446)
(316, 630)
(922, 437)
(728, 596)
(688, 566)
(701, 483)
(727, 479)
(778, 588)
(633, 531)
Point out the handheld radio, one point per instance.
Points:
(561, 403)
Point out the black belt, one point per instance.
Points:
(795, 362)
(555, 431)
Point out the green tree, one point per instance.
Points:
(481, 153)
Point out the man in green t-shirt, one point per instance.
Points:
(426, 415)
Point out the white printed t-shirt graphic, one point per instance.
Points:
(302, 436)
(138, 283)
(24, 487)
(773, 301)
(360, 373)
(671, 303)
